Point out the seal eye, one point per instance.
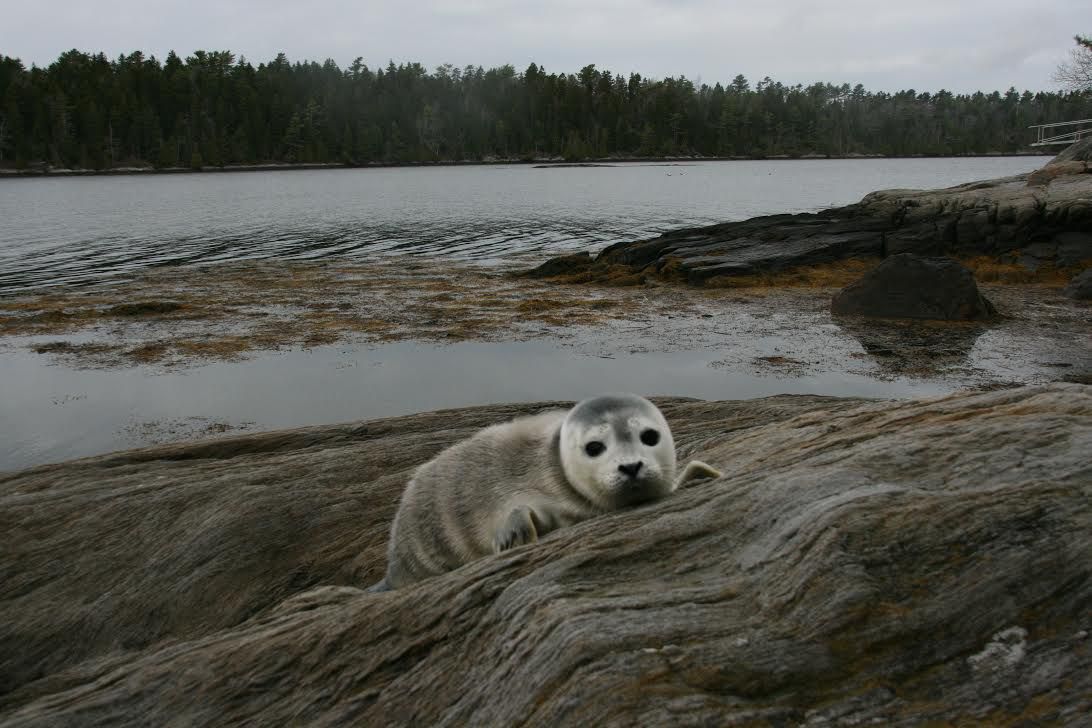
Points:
(650, 437)
(594, 448)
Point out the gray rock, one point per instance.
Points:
(1036, 254)
(909, 286)
(852, 561)
(1081, 286)
(1054, 170)
(1080, 151)
(1073, 248)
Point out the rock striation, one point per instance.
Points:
(910, 286)
(894, 563)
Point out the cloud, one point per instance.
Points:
(966, 45)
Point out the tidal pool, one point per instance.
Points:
(52, 413)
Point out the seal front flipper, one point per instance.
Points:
(696, 470)
(519, 528)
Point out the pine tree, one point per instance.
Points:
(168, 154)
(85, 110)
(11, 131)
(293, 141)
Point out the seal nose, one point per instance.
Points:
(631, 469)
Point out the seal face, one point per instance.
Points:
(512, 483)
(617, 450)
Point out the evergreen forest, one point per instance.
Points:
(214, 109)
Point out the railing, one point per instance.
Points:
(1067, 137)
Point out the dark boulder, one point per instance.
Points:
(1081, 286)
(909, 286)
(1073, 248)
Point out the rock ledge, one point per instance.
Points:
(1037, 219)
(893, 562)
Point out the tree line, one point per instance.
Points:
(213, 109)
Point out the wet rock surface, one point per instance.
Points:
(1080, 287)
(1036, 219)
(889, 562)
(910, 286)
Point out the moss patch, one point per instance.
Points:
(179, 316)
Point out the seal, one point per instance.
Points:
(512, 483)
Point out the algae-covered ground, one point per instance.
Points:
(182, 317)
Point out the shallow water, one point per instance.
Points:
(52, 413)
(82, 229)
(782, 342)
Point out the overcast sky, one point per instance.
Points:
(962, 45)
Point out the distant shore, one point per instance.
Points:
(537, 162)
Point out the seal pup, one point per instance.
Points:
(512, 483)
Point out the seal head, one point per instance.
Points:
(616, 450)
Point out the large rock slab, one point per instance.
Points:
(910, 286)
(890, 562)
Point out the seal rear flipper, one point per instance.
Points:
(696, 470)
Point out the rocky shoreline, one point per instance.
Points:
(1043, 219)
(884, 562)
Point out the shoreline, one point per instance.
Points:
(775, 321)
(261, 331)
(538, 163)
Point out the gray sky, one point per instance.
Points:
(962, 45)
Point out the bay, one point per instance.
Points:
(79, 230)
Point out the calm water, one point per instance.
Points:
(82, 230)
(52, 413)
(78, 230)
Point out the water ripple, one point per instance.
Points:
(73, 231)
